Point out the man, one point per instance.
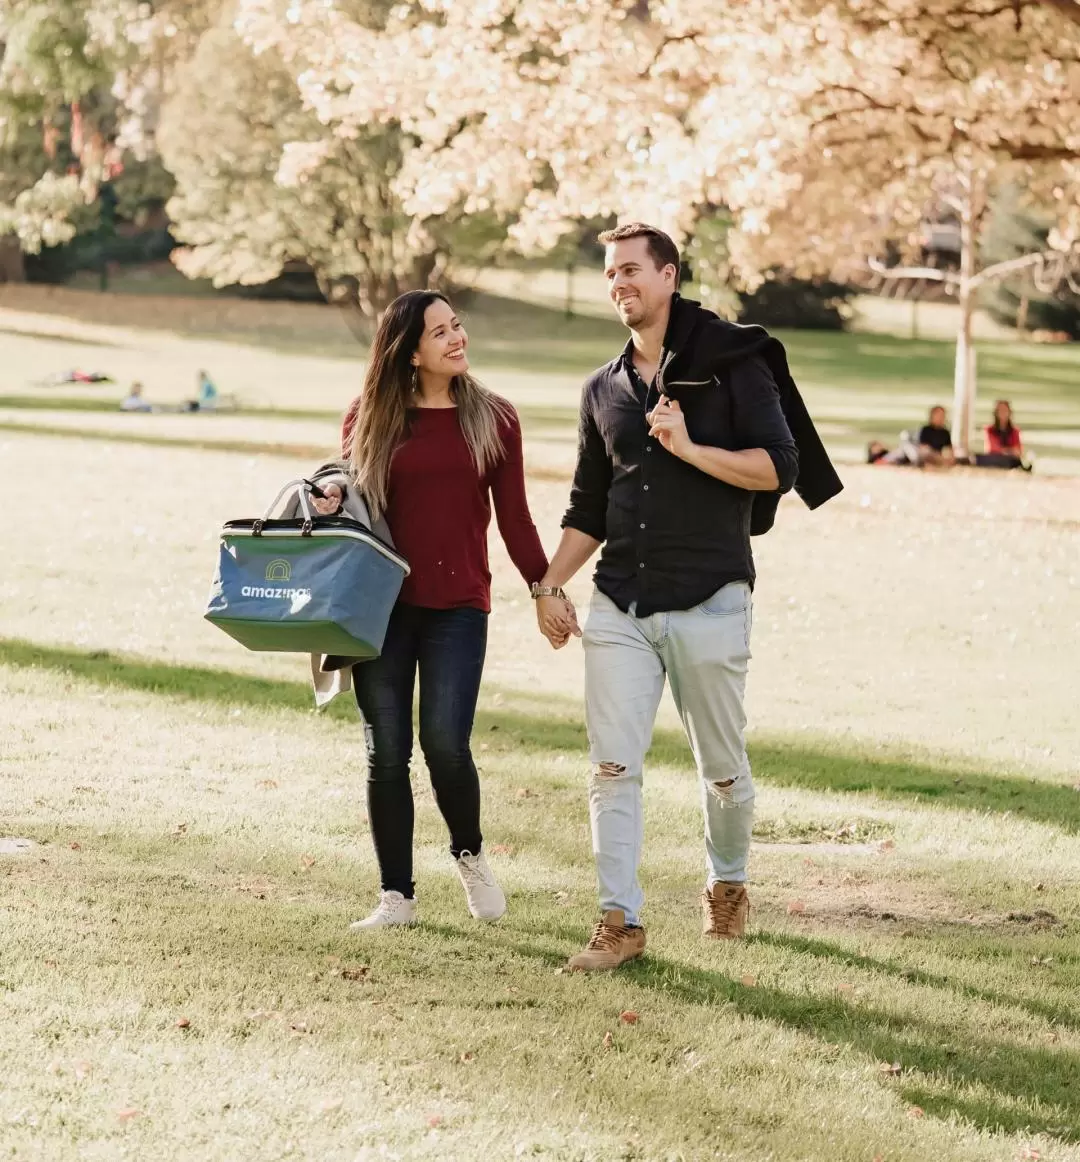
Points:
(935, 441)
(134, 401)
(677, 437)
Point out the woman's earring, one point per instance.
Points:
(415, 380)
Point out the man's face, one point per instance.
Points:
(937, 418)
(637, 288)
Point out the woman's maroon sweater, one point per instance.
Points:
(439, 509)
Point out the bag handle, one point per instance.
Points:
(301, 487)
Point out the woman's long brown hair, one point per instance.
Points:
(387, 394)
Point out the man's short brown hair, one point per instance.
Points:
(661, 248)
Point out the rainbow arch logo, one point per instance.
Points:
(279, 570)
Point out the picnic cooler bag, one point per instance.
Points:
(311, 585)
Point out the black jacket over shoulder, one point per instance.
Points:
(673, 534)
(703, 349)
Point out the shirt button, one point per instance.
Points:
(646, 487)
(642, 525)
(649, 448)
(641, 564)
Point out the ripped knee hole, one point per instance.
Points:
(608, 770)
(722, 789)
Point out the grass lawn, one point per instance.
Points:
(176, 975)
(300, 361)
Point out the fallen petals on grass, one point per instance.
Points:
(183, 1023)
(502, 849)
(628, 1017)
(796, 907)
(329, 1104)
(307, 861)
(916, 1112)
(435, 1120)
(893, 1070)
(129, 1114)
(608, 1041)
(1030, 1154)
(749, 981)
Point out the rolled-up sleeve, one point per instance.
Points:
(759, 419)
(592, 479)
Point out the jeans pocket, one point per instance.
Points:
(731, 599)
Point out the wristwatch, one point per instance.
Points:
(538, 590)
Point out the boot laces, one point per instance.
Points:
(724, 908)
(473, 870)
(389, 902)
(605, 937)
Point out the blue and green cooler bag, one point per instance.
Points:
(311, 585)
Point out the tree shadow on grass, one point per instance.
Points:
(1064, 1015)
(1047, 1081)
(996, 1084)
(1031, 1089)
(824, 767)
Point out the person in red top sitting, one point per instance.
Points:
(1004, 446)
(430, 451)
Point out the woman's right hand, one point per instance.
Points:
(330, 502)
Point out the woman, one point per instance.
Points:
(1003, 438)
(429, 449)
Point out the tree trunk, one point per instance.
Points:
(1022, 315)
(12, 267)
(964, 373)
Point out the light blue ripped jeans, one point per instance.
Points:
(703, 652)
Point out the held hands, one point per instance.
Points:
(668, 425)
(557, 620)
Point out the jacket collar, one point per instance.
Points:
(684, 316)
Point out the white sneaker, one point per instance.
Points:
(393, 909)
(486, 898)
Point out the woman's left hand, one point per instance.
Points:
(557, 620)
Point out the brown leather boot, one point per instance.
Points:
(610, 945)
(725, 910)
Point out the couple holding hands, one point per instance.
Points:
(686, 441)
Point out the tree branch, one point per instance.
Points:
(948, 277)
(1034, 151)
(1002, 270)
(664, 44)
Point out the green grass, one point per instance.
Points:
(163, 892)
(202, 844)
(860, 386)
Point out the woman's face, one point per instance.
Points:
(1003, 414)
(442, 345)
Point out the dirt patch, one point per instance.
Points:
(12, 846)
(825, 848)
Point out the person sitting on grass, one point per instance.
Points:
(935, 441)
(134, 401)
(1004, 446)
